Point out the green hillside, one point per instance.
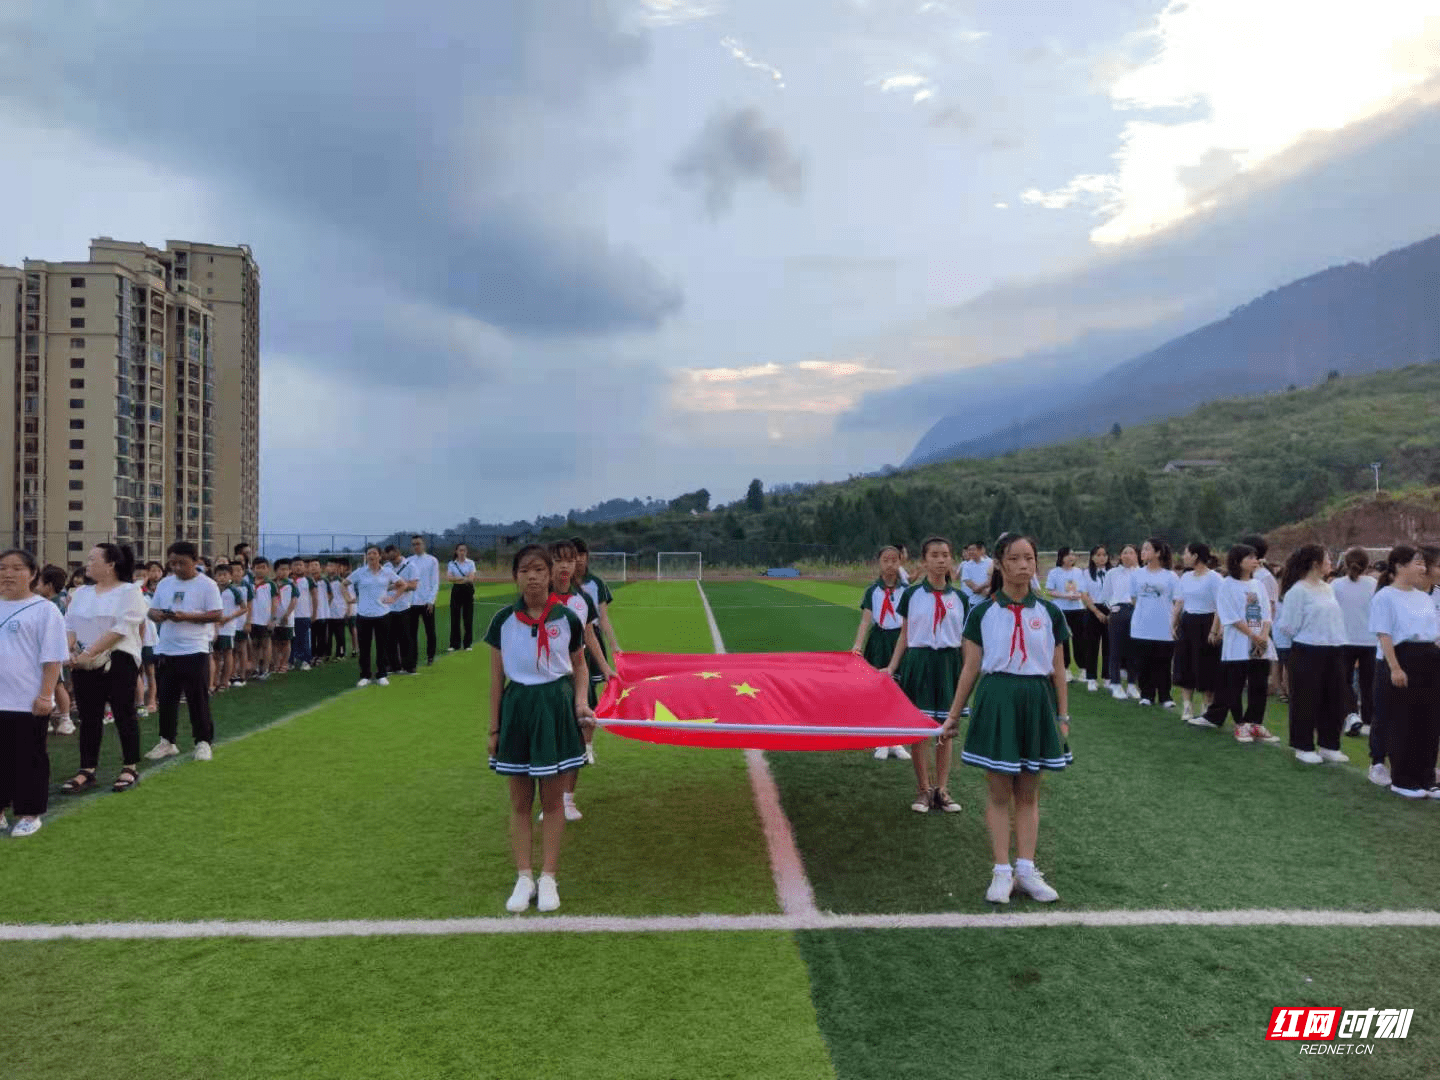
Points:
(1282, 458)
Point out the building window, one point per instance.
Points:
(77, 363)
(77, 384)
(77, 301)
(76, 526)
(75, 466)
(77, 425)
(77, 444)
(77, 485)
(76, 504)
(77, 324)
(77, 402)
(77, 282)
(77, 342)
(75, 545)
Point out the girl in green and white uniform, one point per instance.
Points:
(1014, 647)
(880, 626)
(926, 662)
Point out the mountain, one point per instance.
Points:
(1356, 318)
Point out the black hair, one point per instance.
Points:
(1162, 549)
(391, 549)
(155, 564)
(55, 577)
(978, 544)
(282, 561)
(578, 543)
(1357, 561)
(416, 536)
(1256, 541)
(1235, 556)
(888, 547)
(1060, 554)
(463, 544)
(185, 549)
(221, 565)
(559, 549)
(27, 559)
(260, 560)
(1096, 572)
(1002, 545)
(79, 572)
(525, 552)
(121, 557)
(928, 543)
(1301, 561)
(240, 548)
(1200, 551)
(345, 562)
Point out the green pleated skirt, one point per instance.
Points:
(1013, 726)
(928, 677)
(539, 735)
(880, 646)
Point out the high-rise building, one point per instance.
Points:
(135, 399)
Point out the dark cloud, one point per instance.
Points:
(735, 147)
(378, 133)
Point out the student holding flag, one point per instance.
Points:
(926, 663)
(563, 589)
(880, 626)
(601, 596)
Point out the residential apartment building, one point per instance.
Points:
(135, 399)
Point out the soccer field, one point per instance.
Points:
(326, 899)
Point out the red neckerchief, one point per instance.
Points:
(1017, 636)
(542, 639)
(886, 607)
(939, 610)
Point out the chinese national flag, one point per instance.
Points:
(761, 701)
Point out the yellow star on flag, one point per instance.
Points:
(624, 694)
(744, 689)
(710, 675)
(664, 714)
(656, 678)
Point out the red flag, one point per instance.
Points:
(762, 701)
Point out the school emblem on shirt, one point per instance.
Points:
(553, 631)
(949, 604)
(1036, 624)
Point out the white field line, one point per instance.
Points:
(792, 887)
(791, 921)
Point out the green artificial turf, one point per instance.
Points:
(845, 593)
(1152, 1003)
(762, 618)
(628, 1007)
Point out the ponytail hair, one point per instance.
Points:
(1301, 561)
(1356, 562)
(1002, 545)
(1200, 551)
(1096, 572)
(888, 547)
(1399, 555)
(928, 543)
(1060, 554)
(121, 558)
(1162, 550)
(1234, 557)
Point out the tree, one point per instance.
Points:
(755, 496)
(1115, 430)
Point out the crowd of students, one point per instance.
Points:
(1353, 649)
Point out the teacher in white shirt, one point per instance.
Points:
(185, 606)
(461, 574)
(427, 591)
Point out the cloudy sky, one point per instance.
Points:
(525, 255)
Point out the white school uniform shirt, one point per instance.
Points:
(904, 576)
(527, 659)
(974, 573)
(338, 604)
(405, 572)
(427, 569)
(1061, 584)
(1154, 593)
(262, 606)
(1017, 639)
(578, 601)
(122, 610)
(199, 594)
(919, 605)
(1199, 592)
(883, 603)
(1354, 598)
(32, 634)
(303, 606)
(232, 609)
(149, 632)
(369, 588)
(1310, 615)
(283, 593)
(1247, 602)
(1115, 589)
(1406, 615)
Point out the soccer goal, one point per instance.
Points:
(609, 566)
(677, 566)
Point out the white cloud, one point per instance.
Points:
(676, 12)
(1002, 206)
(816, 387)
(735, 49)
(1261, 76)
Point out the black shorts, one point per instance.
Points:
(260, 633)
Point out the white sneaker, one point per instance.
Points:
(1364, 729)
(4, 825)
(382, 681)
(1200, 721)
(572, 812)
(1118, 693)
(65, 727)
(1187, 712)
(163, 749)
(1434, 793)
(304, 667)
(1133, 692)
(881, 753)
(1145, 701)
(521, 897)
(1260, 733)
(1001, 886)
(549, 894)
(1034, 884)
(26, 827)
(900, 752)
(1404, 793)
(1069, 676)
(1308, 757)
(1167, 704)
(921, 805)
(203, 752)
(1333, 755)
(1379, 774)
(363, 682)
(1242, 733)
(1353, 724)
(141, 711)
(1091, 685)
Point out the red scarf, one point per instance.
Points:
(939, 614)
(542, 639)
(886, 607)
(1017, 636)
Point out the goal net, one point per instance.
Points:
(677, 566)
(609, 566)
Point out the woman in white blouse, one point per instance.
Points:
(103, 625)
(1354, 589)
(1311, 618)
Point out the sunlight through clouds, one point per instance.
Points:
(825, 387)
(735, 49)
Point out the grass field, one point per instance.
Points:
(376, 803)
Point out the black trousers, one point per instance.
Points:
(399, 626)
(1380, 702)
(462, 615)
(24, 763)
(1412, 717)
(116, 688)
(319, 639)
(1360, 657)
(337, 638)
(1196, 660)
(423, 614)
(1240, 679)
(1092, 651)
(1075, 620)
(189, 675)
(1122, 647)
(1317, 695)
(375, 630)
(1153, 658)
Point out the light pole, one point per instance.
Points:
(1376, 466)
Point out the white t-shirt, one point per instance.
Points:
(1247, 602)
(528, 660)
(199, 594)
(1062, 584)
(1406, 615)
(1310, 615)
(1199, 592)
(149, 632)
(1354, 598)
(32, 634)
(303, 607)
(232, 608)
(338, 606)
(262, 607)
(1115, 589)
(406, 571)
(918, 607)
(1272, 587)
(883, 603)
(122, 610)
(1042, 626)
(975, 573)
(1154, 593)
(284, 593)
(370, 587)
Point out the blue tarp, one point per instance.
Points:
(782, 571)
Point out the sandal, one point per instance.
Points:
(127, 779)
(84, 780)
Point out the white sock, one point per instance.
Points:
(524, 875)
(1003, 869)
(1025, 866)
(548, 877)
